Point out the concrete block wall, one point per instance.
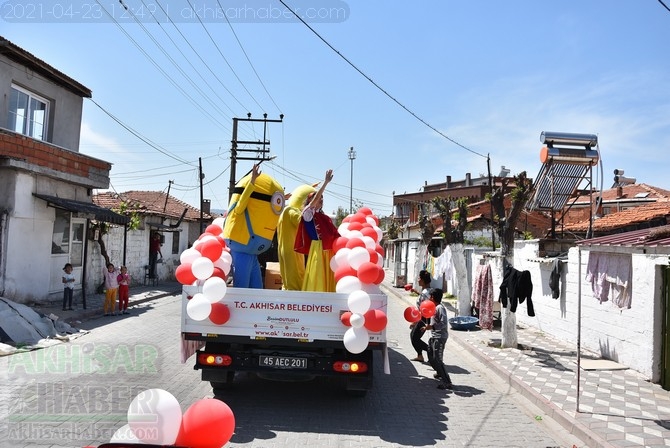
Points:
(628, 336)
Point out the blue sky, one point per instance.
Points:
(490, 75)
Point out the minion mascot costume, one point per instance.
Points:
(292, 263)
(256, 204)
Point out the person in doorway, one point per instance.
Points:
(111, 289)
(315, 237)
(439, 328)
(154, 252)
(417, 328)
(124, 289)
(68, 286)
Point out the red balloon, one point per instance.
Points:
(355, 242)
(427, 308)
(184, 275)
(355, 226)
(374, 256)
(343, 271)
(346, 218)
(211, 249)
(412, 314)
(358, 217)
(368, 272)
(339, 243)
(221, 241)
(218, 272)
(220, 313)
(207, 423)
(381, 276)
(380, 250)
(345, 318)
(214, 229)
(375, 320)
(371, 232)
(365, 210)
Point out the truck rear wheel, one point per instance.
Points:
(218, 386)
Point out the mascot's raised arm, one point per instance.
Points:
(255, 206)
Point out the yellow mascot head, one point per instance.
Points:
(253, 214)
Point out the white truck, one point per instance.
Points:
(281, 332)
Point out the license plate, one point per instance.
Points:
(282, 362)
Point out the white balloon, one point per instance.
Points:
(348, 284)
(357, 320)
(343, 228)
(355, 234)
(155, 417)
(219, 222)
(341, 257)
(380, 232)
(189, 256)
(356, 340)
(199, 307)
(369, 242)
(124, 435)
(359, 302)
(357, 257)
(333, 264)
(224, 262)
(370, 220)
(202, 268)
(214, 289)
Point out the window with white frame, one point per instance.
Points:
(28, 113)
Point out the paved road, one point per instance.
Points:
(76, 394)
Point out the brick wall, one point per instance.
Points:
(21, 147)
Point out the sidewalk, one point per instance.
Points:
(138, 294)
(618, 408)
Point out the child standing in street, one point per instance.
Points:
(68, 286)
(112, 287)
(124, 289)
(438, 338)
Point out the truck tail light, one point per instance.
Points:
(214, 359)
(350, 366)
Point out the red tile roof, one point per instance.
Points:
(636, 215)
(630, 192)
(148, 203)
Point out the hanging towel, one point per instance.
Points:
(482, 296)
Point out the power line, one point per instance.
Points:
(160, 69)
(222, 56)
(378, 86)
(138, 135)
(664, 5)
(249, 60)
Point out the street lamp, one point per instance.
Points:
(352, 157)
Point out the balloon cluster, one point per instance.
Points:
(155, 417)
(357, 265)
(207, 263)
(425, 309)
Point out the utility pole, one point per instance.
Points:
(261, 152)
(202, 218)
(352, 157)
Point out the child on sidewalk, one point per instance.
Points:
(68, 286)
(124, 289)
(112, 287)
(439, 327)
